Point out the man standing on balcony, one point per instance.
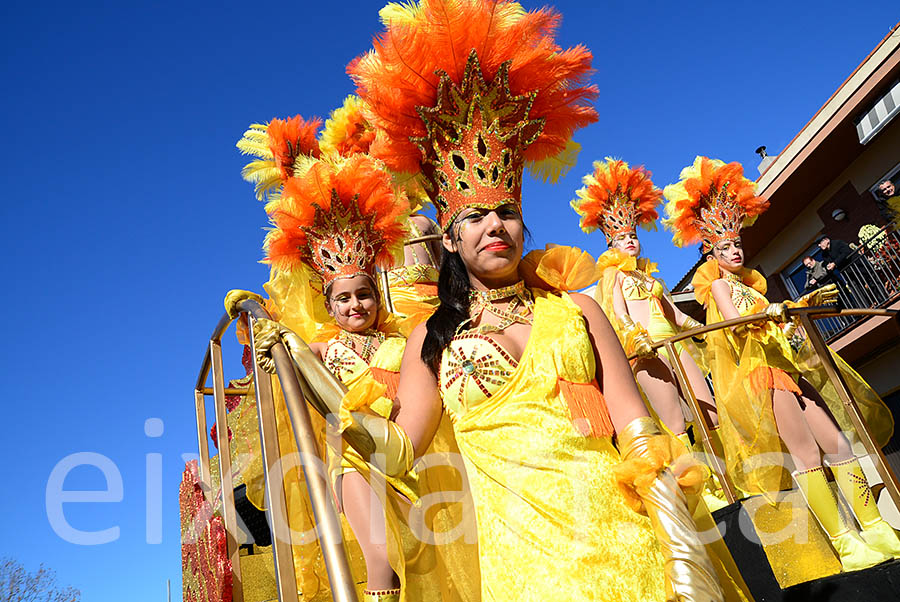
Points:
(836, 254)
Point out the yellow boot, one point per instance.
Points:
(852, 484)
(381, 595)
(853, 552)
(712, 494)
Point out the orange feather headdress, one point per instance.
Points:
(281, 146)
(347, 131)
(711, 202)
(341, 217)
(617, 199)
(467, 91)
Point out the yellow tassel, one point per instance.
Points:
(587, 408)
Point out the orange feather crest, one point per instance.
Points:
(617, 198)
(341, 218)
(347, 132)
(281, 147)
(444, 71)
(711, 202)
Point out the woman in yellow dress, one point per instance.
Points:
(336, 304)
(533, 379)
(764, 390)
(412, 283)
(617, 199)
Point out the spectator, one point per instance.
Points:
(889, 201)
(836, 254)
(816, 274)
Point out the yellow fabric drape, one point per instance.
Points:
(551, 520)
(749, 435)
(428, 572)
(613, 262)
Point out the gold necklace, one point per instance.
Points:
(518, 310)
(365, 341)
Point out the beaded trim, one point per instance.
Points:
(518, 310)
(366, 341)
(479, 367)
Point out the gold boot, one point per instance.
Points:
(851, 482)
(381, 595)
(853, 552)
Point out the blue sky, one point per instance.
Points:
(125, 219)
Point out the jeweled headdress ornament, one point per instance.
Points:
(617, 199)
(281, 147)
(466, 92)
(341, 217)
(711, 202)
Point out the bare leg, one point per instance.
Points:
(655, 378)
(823, 426)
(365, 514)
(794, 430)
(701, 389)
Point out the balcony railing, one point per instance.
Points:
(870, 280)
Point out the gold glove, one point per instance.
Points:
(689, 324)
(237, 295)
(690, 576)
(377, 439)
(635, 339)
(777, 312)
(821, 296)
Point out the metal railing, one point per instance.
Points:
(328, 524)
(806, 316)
(324, 511)
(870, 279)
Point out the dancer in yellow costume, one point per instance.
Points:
(413, 283)
(765, 392)
(336, 217)
(617, 199)
(466, 93)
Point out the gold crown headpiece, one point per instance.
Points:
(711, 202)
(617, 199)
(467, 93)
(341, 217)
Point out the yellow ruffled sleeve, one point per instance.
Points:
(558, 268)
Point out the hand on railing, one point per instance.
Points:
(821, 296)
(635, 339)
(235, 296)
(267, 334)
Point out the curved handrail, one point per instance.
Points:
(818, 312)
(328, 523)
(806, 316)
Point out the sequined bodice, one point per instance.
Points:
(343, 361)
(638, 286)
(473, 368)
(746, 299)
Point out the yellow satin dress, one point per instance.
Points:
(746, 367)
(551, 522)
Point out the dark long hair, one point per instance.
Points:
(453, 292)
